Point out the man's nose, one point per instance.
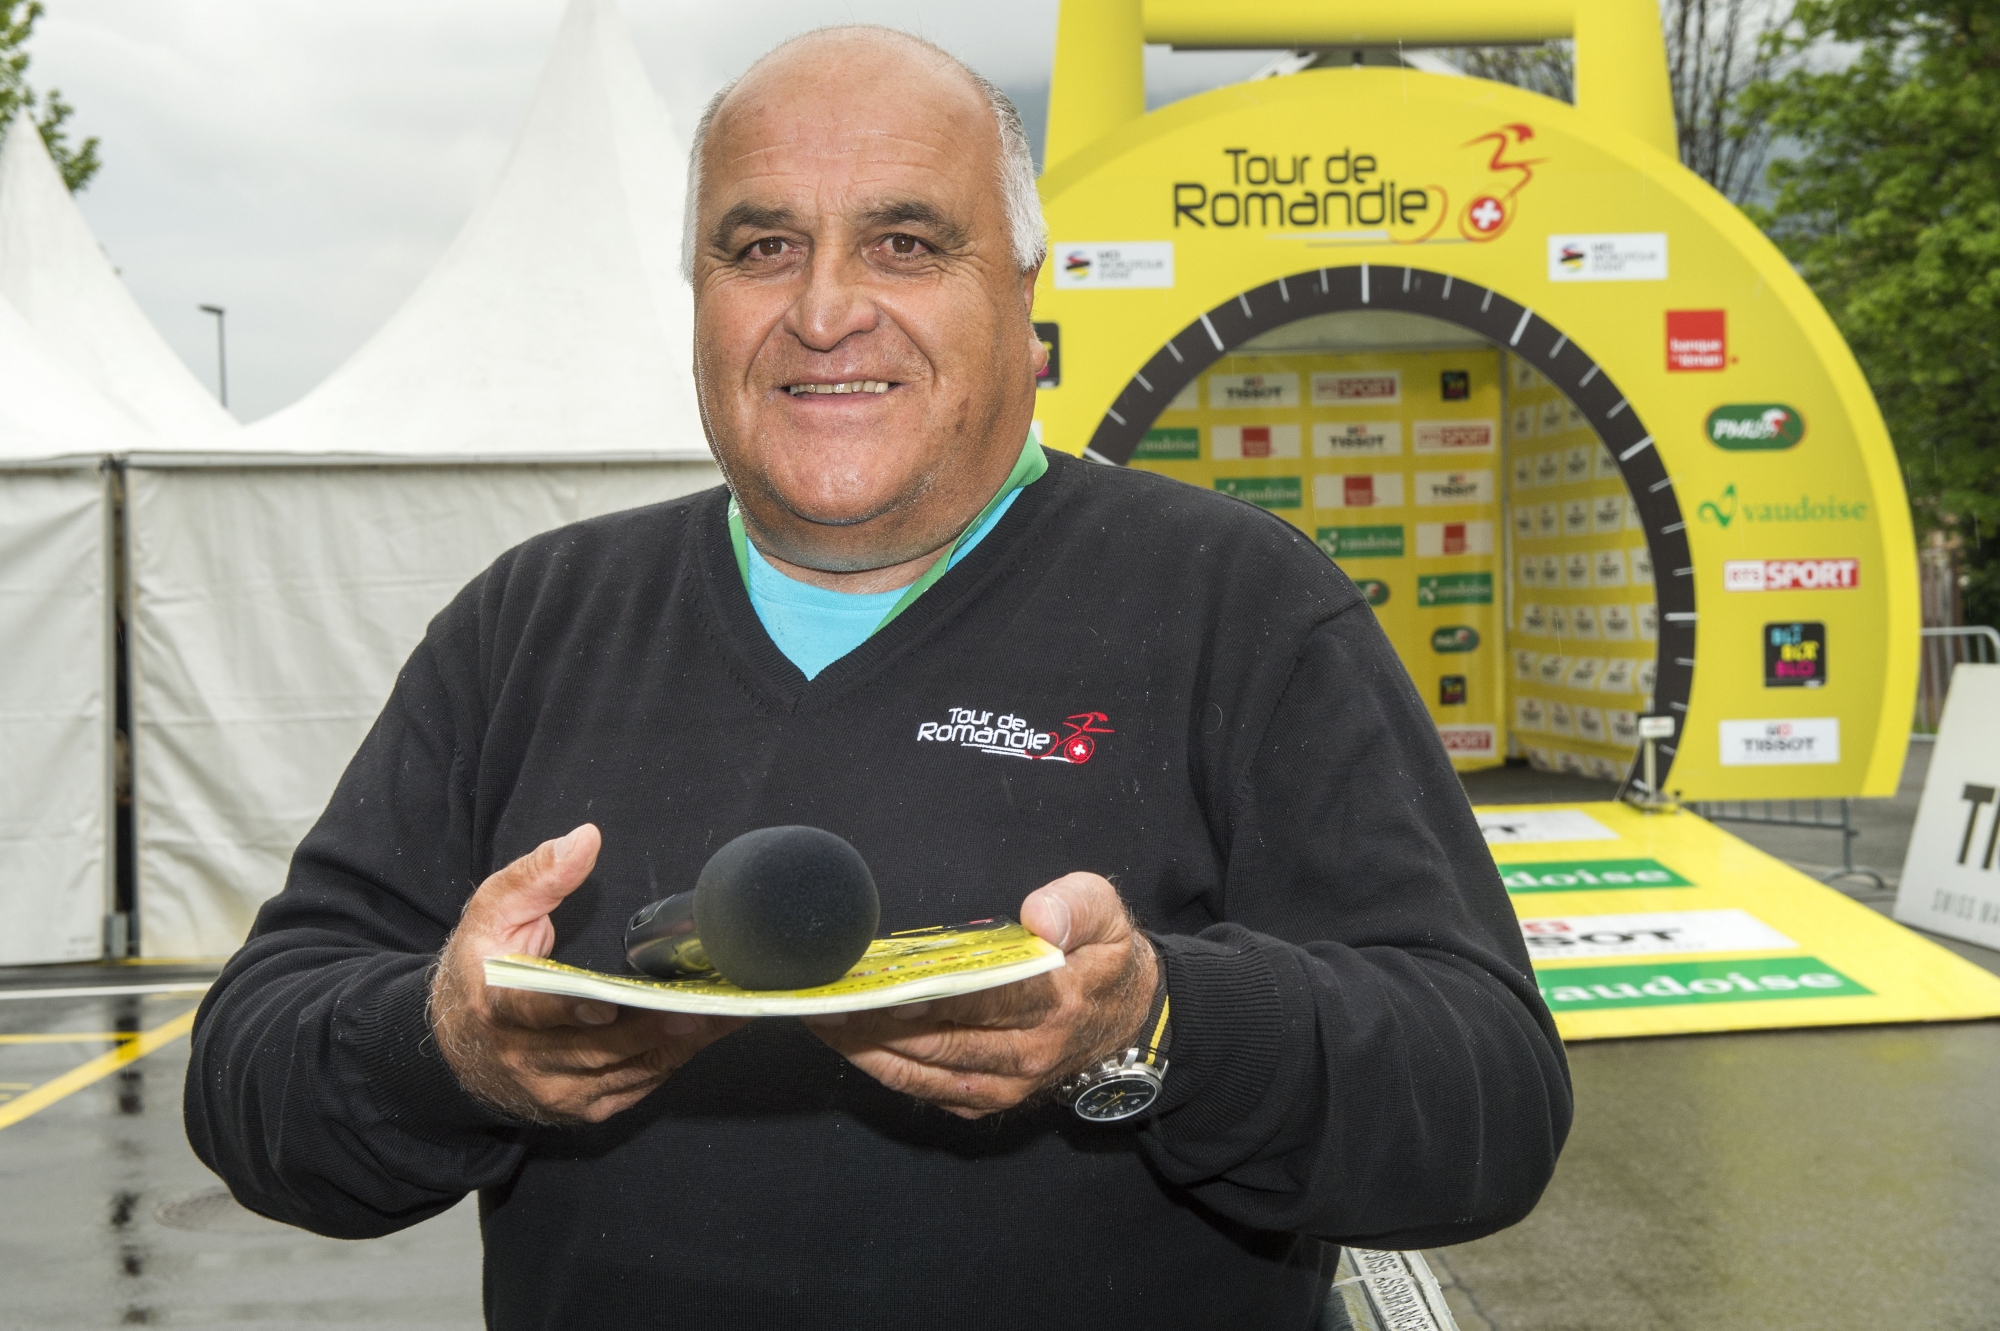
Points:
(835, 303)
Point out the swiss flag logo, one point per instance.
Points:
(1359, 491)
(1256, 441)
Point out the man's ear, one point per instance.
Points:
(1028, 280)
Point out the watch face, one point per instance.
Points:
(1117, 1097)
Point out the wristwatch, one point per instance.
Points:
(1129, 1082)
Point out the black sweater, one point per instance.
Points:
(1359, 1052)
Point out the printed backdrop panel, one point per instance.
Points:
(1583, 625)
(1391, 462)
(1664, 924)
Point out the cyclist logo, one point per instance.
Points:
(1078, 745)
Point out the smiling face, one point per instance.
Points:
(862, 343)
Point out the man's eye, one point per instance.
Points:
(905, 245)
(770, 247)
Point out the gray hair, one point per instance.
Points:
(1026, 230)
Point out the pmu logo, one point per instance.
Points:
(1755, 427)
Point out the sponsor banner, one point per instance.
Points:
(1438, 539)
(1357, 439)
(1452, 690)
(1469, 741)
(1651, 933)
(1096, 265)
(1787, 743)
(1361, 543)
(1367, 388)
(1231, 443)
(1235, 391)
(1455, 589)
(1264, 491)
(1674, 983)
(1795, 655)
(1169, 442)
(1726, 508)
(1755, 427)
(1951, 874)
(1790, 575)
(1697, 339)
(1457, 638)
(1538, 825)
(1359, 490)
(1453, 436)
(1630, 256)
(1454, 487)
(1454, 385)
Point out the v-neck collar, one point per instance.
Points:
(787, 685)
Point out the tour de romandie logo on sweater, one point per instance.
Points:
(1016, 737)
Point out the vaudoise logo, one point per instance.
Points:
(1726, 509)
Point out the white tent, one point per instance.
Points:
(56, 663)
(280, 575)
(56, 276)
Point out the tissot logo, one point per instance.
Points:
(1010, 736)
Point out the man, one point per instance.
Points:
(891, 585)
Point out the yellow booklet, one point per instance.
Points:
(908, 967)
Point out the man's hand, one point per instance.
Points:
(981, 1053)
(542, 1057)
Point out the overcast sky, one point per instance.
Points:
(305, 164)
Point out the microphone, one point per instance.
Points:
(778, 908)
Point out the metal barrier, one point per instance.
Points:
(1798, 813)
(1945, 648)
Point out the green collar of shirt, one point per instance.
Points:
(1028, 469)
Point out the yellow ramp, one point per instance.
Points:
(1664, 924)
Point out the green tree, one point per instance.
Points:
(1889, 203)
(48, 112)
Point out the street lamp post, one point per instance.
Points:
(221, 354)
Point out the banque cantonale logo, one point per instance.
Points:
(1726, 508)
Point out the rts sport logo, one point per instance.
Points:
(1790, 575)
(1755, 427)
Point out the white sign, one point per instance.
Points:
(1951, 877)
(1364, 490)
(1094, 265)
(1789, 575)
(1536, 825)
(1454, 487)
(1349, 439)
(1453, 436)
(1787, 743)
(1365, 389)
(1236, 391)
(1651, 933)
(1435, 540)
(1234, 442)
(1629, 256)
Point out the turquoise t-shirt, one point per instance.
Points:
(815, 627)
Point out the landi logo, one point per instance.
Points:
(1755, 427)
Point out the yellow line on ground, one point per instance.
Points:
(96, 1069)
(63, 1037)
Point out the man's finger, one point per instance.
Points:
(534, 885)
(527, 1010)
(1075, 911)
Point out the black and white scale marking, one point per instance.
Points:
(1504, 323)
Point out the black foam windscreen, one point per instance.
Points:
(785, 908)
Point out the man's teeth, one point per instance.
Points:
(852, 386)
